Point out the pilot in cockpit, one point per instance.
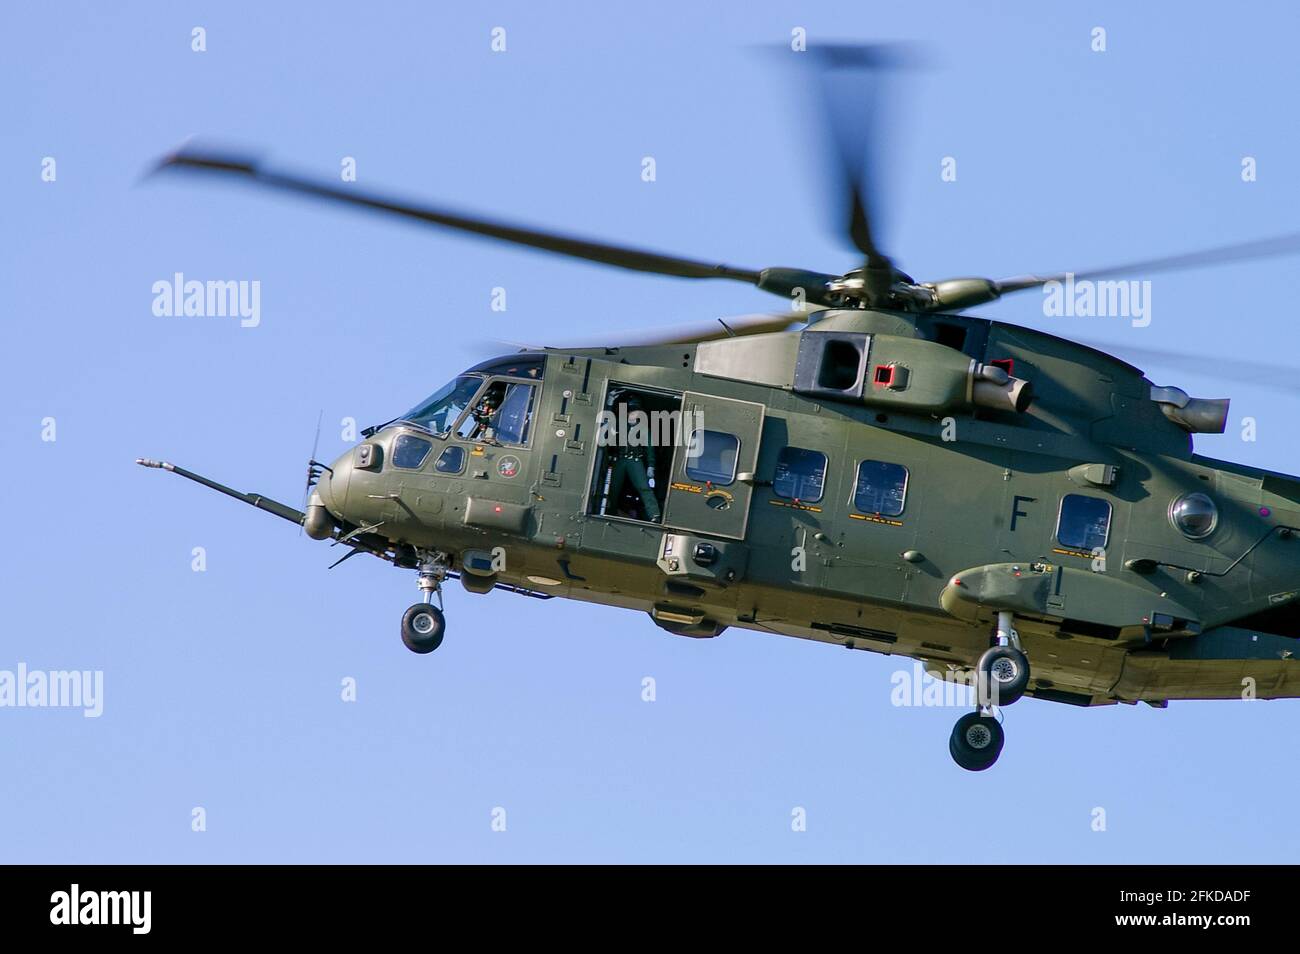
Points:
(484, 414)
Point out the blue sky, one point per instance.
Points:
(222, 688)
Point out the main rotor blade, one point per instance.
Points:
(732, 327)
(849, 109)
(620, 256)
(1262, 374)
(737, 327)
(848, 84)
(1223, 255)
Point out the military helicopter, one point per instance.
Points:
(872, 470)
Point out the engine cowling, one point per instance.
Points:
(905, 373)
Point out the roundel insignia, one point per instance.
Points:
(508, 466)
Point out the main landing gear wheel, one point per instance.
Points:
(1003, 675)
(423, 626)
(976, 741)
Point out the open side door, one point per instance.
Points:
(711, 482)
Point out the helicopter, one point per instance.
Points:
(871, 468)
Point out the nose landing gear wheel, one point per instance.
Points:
(976, 741)
(423, 626)
(1004, 675)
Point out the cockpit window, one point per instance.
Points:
(440, 411)
(409, 451)
(502, 406)
(516, 414)
(502, 414)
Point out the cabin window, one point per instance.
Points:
(410, 452)
(881, 488)
(800, 474)
(1084, 522)
(711, 457)
(451, 461)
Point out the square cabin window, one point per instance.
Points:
(714, 457)
(800, 474)
(1084, 522)
(881, 488)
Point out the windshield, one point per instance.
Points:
(439, 412)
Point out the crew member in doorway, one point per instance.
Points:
(633, 464)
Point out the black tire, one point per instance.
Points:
(976, 741)
(423, 626)
(1003, 675)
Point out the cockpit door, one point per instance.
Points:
(711, 482)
